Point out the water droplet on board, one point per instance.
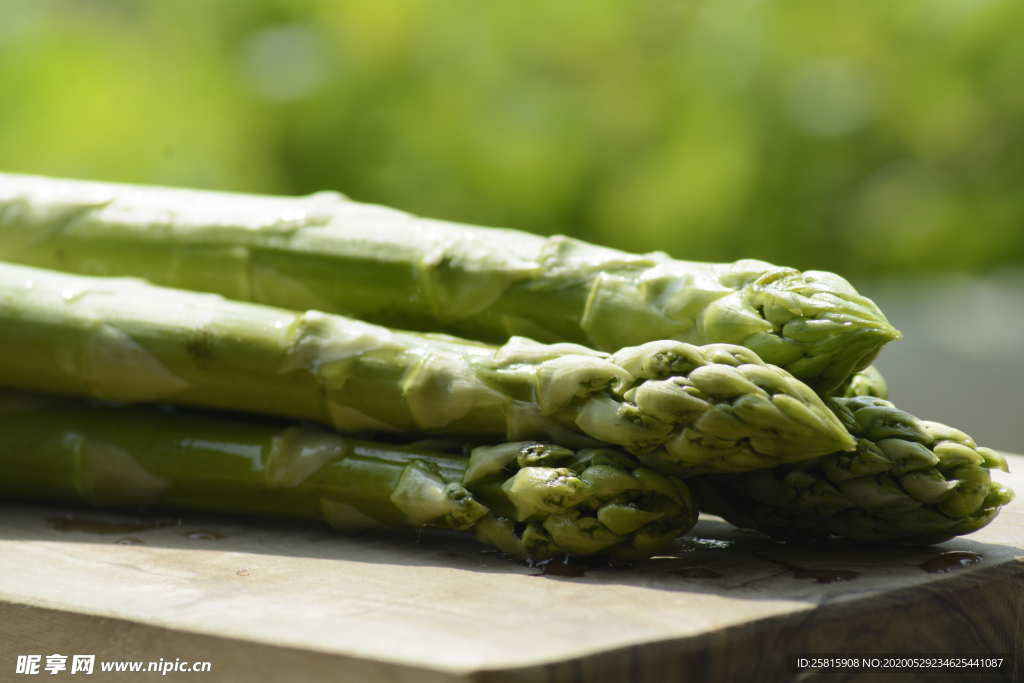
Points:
(950, 561)
(560, 568)
(693, 543)
(824, 575)
(129, 540)
(696, 573)
(203, 535)
(819, 575)
(101, 526)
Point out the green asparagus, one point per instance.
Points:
(909, 480)
(867, 382)
(381, 265)
(704, 409)
(529, 499)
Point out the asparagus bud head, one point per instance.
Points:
(821, 329)
(908, 480)
(591, 501)
(714, 408)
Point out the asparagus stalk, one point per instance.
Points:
(529, 499)
(704, 409)
(909, 480)
(385, 266)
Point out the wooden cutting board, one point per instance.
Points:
(278, 602)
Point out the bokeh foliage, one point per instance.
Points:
(854, 136)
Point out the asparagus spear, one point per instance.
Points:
(909, 480)
(706, 409)
(867, 382)
(378, 264)
(529, 499)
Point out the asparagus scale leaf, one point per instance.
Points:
(909, 480)
(716, 408)
(529, 499)
(867, 382)
(327, 253)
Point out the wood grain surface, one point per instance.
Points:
(266, 601)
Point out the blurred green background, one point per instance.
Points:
(859, 137)
(878, 140)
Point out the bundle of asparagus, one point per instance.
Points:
(726, 374)
(716, 408)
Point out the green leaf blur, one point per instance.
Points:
(850, 136)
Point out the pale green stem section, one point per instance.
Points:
(529, 499)
(327, 253)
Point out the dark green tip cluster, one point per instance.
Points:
(548, 501)
(713, 408)
(909, 480)
(822, 330)
(814, 323)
